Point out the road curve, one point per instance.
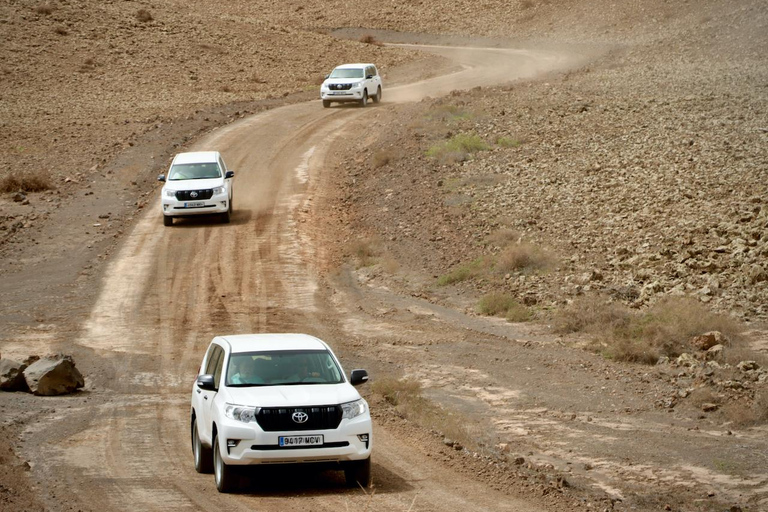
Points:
(169, 290)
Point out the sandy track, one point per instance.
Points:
(169, 290)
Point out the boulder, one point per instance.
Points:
(708, 340)
(12, 375)
(715, 353)
(53, 375)
(747, 366)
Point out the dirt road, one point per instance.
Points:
(169, 290)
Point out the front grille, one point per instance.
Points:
(274, 447)
(325, 417)
(199, 195)
(340, 87)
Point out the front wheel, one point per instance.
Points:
(223, 473)
(203, 455)
(326, 103)
(167, 221)
(377, 98)
(364, 99)
(358, 473)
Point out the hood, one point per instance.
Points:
(293, 396)
(329, 81)
(194, 184)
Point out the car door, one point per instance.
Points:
(370, 83)
(213, 367)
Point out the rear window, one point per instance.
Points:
(194, 171)
(283, 368)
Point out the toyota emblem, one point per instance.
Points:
(300, 417)
(193, 194)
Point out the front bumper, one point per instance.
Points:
(174, 208)
(246, 444)
(350, 95)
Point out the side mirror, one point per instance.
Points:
(358, 377)
(161, 177)
(327, 77)
(206, 382)
(229, 174)
(369, 77)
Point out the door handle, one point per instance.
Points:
(205, 397)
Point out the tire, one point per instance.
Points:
(326, 103)
(226, 217)
(167, 221)
(223, 474)
(358, 473)
(377, 98)
(203, 455)
(364, 99)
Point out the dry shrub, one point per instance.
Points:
(369, 39)
(447, 113)
(495, 303)
(523, 256)
(365, 251)
(61, 31)
(703, 395)
(31, 182)
(518, 313)
(742, 415)
(463, 272)
(663, 330)
(44, 9)
(144, 15)
(507, 142)
(382, 157)
(526, 4)
(458, 148)
(503, 237)
(406, 396)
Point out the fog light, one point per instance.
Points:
(363, 438)
(231, 443)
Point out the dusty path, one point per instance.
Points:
(170, 289)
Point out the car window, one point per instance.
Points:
(347, 73)
(283, 368)
(194, 171)
(374, 71)
(222, 165)
(217, 369)
(214, 357)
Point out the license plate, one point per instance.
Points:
(194, 204)
(300, 440)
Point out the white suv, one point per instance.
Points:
(278, 399)
(197, 184)
(352, 82)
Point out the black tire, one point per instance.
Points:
(223, 474)
(226, 217)
(364, 99)
(358, 473)
(203, 455)
(326, 103)
(167, 221)
(377, 98)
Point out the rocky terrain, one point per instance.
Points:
(641, 176)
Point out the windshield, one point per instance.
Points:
(347, 73)
(283, 368)
(194, 171)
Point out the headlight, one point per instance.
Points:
(218, 190)
(170, 193)
(241, 413)
(353, 409)
(357, 85)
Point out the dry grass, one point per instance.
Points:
(495, 303)
(507, 142)
(458, 148)
(523, 257)
(503, 237)
(144, 15)
(663, 330)
(406, 396)
(31, 182)
(61, 31)
(447, 113)
(44, 9)
(382, 157)
(518, 313)
(463, 272)
(369, 39)
(366, 251)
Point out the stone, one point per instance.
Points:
(715, 353)
(747, 366)
(12, 375)
(53, 375)
(708, 340)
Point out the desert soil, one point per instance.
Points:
(629, 141)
